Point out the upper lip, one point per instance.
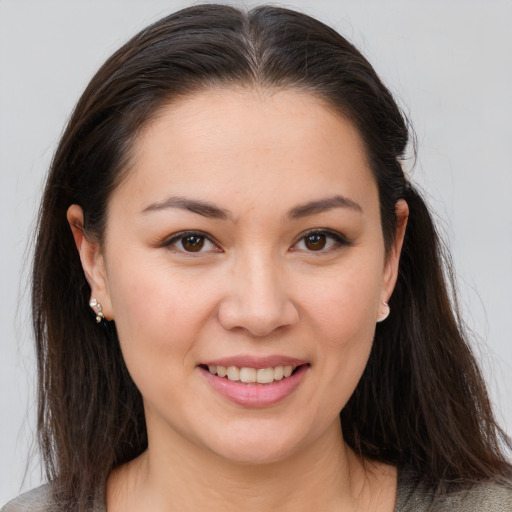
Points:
(247, 361)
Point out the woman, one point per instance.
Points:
(229, 261)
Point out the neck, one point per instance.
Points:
(181, 477)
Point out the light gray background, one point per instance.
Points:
(449, 62)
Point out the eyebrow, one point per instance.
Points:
(214, 212)
(192, 205)
(323, 205)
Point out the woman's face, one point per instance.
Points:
(246, 238)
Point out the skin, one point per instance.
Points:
(256, 288)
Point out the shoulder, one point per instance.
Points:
(41, 499)
(36, 500)
(488, 496)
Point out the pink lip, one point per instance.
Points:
(256, 362)
(255, 395)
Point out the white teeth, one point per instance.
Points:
(248, 374)
(251, 375)
(265, 375)
(233, 373)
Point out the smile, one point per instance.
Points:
(252, 375)
(255, 382)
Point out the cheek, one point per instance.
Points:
(158, 319)
(157, 312)
(342, 319)
(346, 303)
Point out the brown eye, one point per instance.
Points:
(315, 242)
(192, 243)
(322, 241)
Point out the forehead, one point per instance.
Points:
(245, 142)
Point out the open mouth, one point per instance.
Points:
(252, 375)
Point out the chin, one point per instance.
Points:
(253, 446)
(255, 454)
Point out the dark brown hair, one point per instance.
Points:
(421, 401)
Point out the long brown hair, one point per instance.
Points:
(421, 401)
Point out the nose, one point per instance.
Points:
(258, 300)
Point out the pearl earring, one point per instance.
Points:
(385, 313)
(99, 313)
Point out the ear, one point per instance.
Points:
(393, 257)
(92, 260)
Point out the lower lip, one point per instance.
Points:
(256, 395)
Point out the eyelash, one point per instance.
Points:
(174, 239)
(338, 239)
